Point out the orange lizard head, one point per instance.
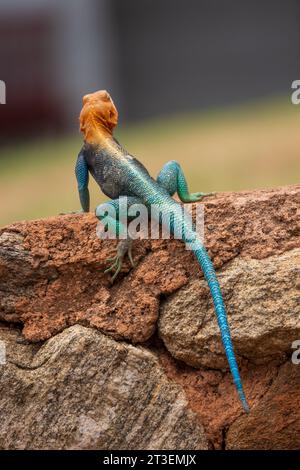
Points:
(98, 116)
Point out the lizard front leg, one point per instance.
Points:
(112, 213)
(82, 177)
(172, 178)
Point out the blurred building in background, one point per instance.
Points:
(155, 57)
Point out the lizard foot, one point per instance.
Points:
(124, 247)
(194, 197)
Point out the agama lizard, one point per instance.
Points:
(120, 175)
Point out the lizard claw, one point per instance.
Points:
(194, 197)
(111, 259)
(115, 265)
(129, 254)
(124, 247)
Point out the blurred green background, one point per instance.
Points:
(204, 82)
(235, 148)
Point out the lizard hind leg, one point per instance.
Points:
(171, 178)
(113, 212)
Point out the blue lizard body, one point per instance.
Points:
(120, 175)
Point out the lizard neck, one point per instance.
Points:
(96, 133)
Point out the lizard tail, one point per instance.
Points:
(211, 278)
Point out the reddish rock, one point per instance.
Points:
(212, 395)
(256, 224)
(274, 424)
(52, 270)
(51, 277)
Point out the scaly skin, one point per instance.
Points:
(120, 175)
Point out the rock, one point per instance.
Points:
(212, 395)
(275, 422)
(51, 276)
(83, 390)
(51, 271)
(263, 304)
(256, 224)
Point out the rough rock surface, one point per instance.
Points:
(263, 306)
(83, 390)
(52, 270)
(275, 421)
(51, 277)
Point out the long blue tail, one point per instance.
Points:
(182, 226)
(211, 278)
